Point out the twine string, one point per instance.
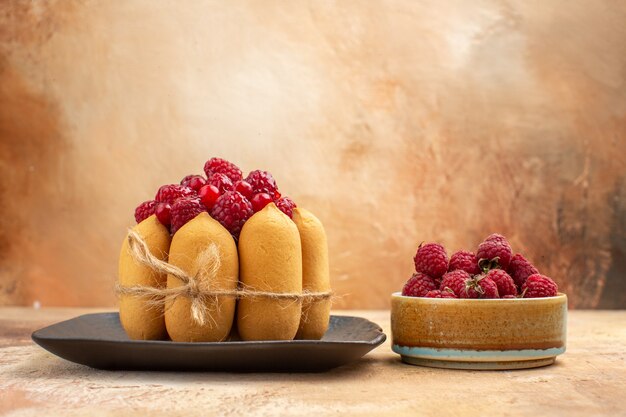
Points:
(197, 288)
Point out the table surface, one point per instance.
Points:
(590, 379)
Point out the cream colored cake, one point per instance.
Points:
(315, 274)
(270, 256)
(188, 243)
(141, 321)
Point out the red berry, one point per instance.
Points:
(496, 251)
(480, 287)
(509, 296)
(486, 288)
(262, 182)
(260, 200)
(464, 286)
(183, 210)
(244, 188)
(172, 192)
(440, 294)
(222, 166)
(162, 213)
(464, 260)
(286, 205)
(520, 269)
(455, 281)
(195, 182)
(504, 282)
(145, 210)
(221, 181)
(431, 259)
(232, 210)
(538, 286)
(209, 195)
(418, 285)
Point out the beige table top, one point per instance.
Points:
(590, 379)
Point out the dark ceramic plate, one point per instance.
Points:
(98, 340)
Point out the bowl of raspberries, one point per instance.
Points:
(489, 309)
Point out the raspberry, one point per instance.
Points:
(172, 192)
(464, 260)
(259, 201)
(431, 259)
(418, 285)
(222, 166)
(520, 269)
(464, 286)
(537, 286)
(183, 210)
(440, 294)
(485, 287)
(195, 182)
(455, 281)
(232, 210)
(503, 281)
(509, 296)
(438, 281)
(286, 205)
(496, 251)
(262, 182)
(221, 181)
(145, 210)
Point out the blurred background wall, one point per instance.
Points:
(396, 122)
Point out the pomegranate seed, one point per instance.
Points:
(195, 182)
(260, 200)
(163, 213)
(208, 195)
(244, 188)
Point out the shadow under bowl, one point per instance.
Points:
(479, 334)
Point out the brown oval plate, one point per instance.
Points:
(99, 341)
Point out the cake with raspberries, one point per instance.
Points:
(492, 272)
(272, 262)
